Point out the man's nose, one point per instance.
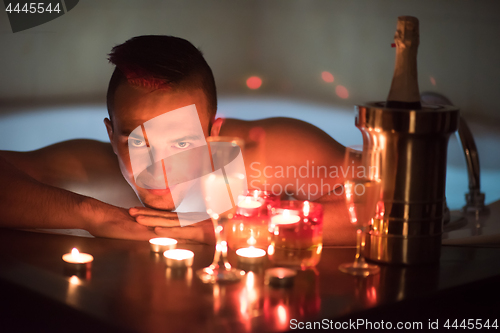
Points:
(160, 152)
(161, 167)
(156, 171)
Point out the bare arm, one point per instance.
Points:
(27, 203)
(29, 200)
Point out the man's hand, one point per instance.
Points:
(198, 233)
(167, 224)
(154, 218)
(114, 222)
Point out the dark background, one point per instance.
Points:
(287, 43)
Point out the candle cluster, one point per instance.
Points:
(296, 232)
(289, 233)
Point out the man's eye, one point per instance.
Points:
(182, 145)
(137, 143)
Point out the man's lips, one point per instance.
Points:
(160, 192)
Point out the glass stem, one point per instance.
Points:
(220, 247)
(359, 259)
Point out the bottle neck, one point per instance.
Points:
(404, 90)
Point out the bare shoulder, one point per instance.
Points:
(281, 128)
(277, 147)
(285, 138)
(67, 160)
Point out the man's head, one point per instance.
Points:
(153, 76)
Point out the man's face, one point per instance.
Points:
(150, 125)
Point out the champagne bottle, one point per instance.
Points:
(404, 93)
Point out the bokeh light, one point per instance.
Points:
(254, 82)
(327, 77)
(342, 91)
(282, 315)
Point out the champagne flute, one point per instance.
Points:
(362, 186)
(221, 189)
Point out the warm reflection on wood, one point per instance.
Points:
(132, 290)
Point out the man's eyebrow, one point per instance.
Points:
(187, 137)
(180, 139)
(134, 135)
(126, 132)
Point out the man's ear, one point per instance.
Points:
(109, 128)
(216, 126)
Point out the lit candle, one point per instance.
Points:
(306, 209)
(76, 261)
(249, 202)
(251, 255)
(248, 206)
(162, 244)
(280, 277)
(179, 258)
(285, 218)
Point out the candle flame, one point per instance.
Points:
(307, 208)
(251, 241)
(250, 280)
(75, 252)
(74, 280)
(286, 213)
(282, 315)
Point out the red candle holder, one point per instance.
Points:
(296, 232)
(249, 227)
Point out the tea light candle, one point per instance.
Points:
(162, 244)
(280, 277)
(249, 202)
(285, 218)
(77, 261)
(179, 258)
(251, 255)
(248, 206)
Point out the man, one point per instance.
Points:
(89, 185)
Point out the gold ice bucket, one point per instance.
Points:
(409, 222)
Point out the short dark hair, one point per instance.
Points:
(161, 62)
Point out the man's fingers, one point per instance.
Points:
(193, 217)
(201, 232)
(140, 232)
(128, 229)
(156, 221)
(182, 234)
(136, 211)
